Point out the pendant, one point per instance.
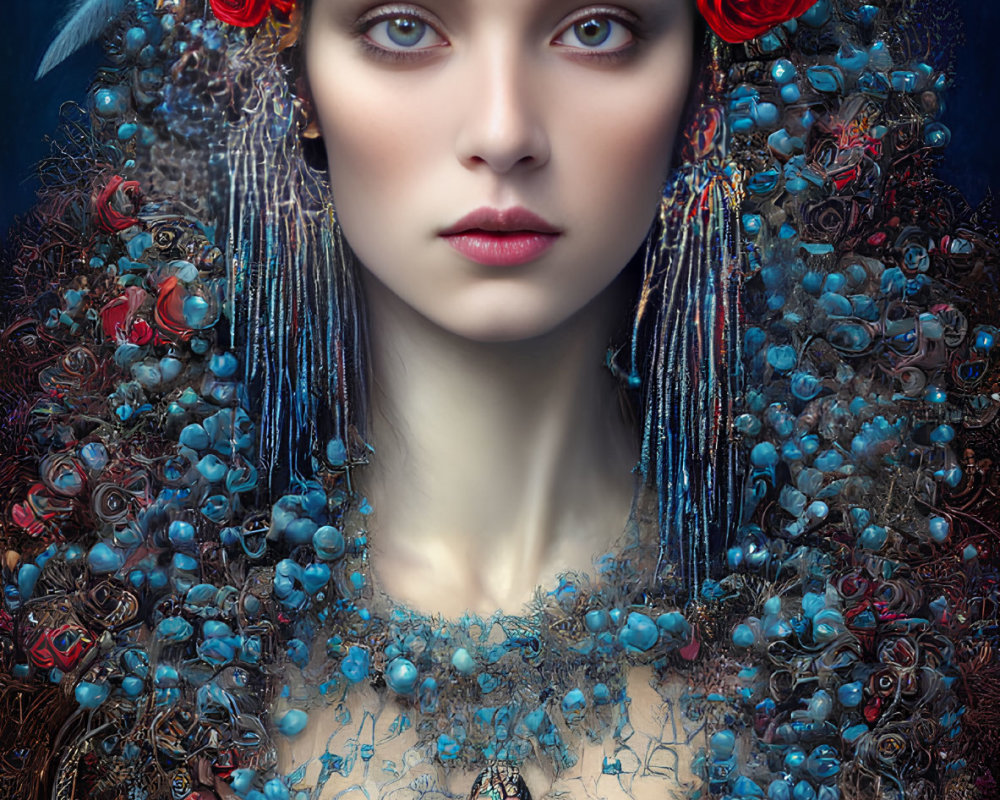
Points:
(501, 780)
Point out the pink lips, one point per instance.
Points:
(501, 238)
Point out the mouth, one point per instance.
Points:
(501, 238)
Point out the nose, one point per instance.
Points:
(501, 125)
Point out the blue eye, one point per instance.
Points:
(596, 32)
(403, 32)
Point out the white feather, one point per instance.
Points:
(86, 20)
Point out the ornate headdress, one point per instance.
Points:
(181, 532)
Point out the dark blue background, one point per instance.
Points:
(30, 108)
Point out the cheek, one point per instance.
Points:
(618, 168)
(373, 146)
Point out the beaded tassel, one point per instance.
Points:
(299, 317)
(693, 365)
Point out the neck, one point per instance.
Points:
(497, 465)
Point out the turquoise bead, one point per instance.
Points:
(462, 661)
(823, 762)
(825, 78)
(300, 531)
(752, 223)
(779, 790)
(836, 305)
(132, 686)
(812, 604)
(850, 694)
(809, 481)
(805, 386)
(602, 694)
(766, 115)
(180, 533)
(820, 705)
(27, 575)
(195, 310)
(791, 93)
(102, 559)
(640, 632)
(939, 528)
(722, 744)
(293, 722)
(173, 630)
(315, 577)
(597, 620)
(803, 791)
(166, 676)
(942, 434)
(275, 790)
(874, 537)
(743, 636)
(744, 787)
(195, 437)
(241, 780)
(90, 695)
(223, 365)
(795, 758)
(673, 622)
(401, 676)
(829, 460)
(214, 628)
(782, 357)
(110, 102)
(170, 368)
(747, 424)
(854, 732)
(328, 542)
(850, 58)
(764, 455)
(792, 500)
(336, 452)
(783, 70)
(212, 468)
(94, 455)
(573, 703)
(816, 15)
(182, 562)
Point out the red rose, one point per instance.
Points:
(242, 13)
(738, 21)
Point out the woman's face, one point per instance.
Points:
(496, 163)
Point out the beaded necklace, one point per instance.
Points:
(501, 690)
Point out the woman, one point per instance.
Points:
(220, 527)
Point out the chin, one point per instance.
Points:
(501, 325)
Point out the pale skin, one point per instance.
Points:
(502, 457)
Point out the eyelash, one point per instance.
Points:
(377, 51)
